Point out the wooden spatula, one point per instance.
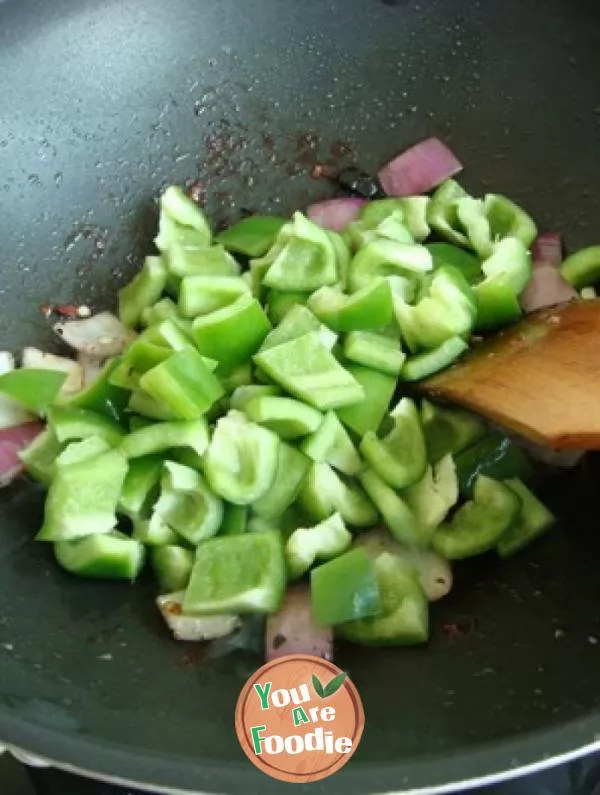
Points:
(540, 378)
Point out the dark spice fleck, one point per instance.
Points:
(279, 640)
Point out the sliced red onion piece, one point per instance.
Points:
(12, 441)
(546, 288)
(419, 169)
(11, 412)
(40, 360)
(292, 629)
(547, 249)
(335, 214)
(194, 628)
(101, 335)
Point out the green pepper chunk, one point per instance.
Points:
(369, 308)
(404, 615)
(252, 236)
(303, 258)
(40, 455)
(184, 384)
(425, 364)
(331, 444)
(324, 492)
(442, 212)
(582, 269)
(110, 556)
(153, 531)
(142, 403)
(187, 505)
(383, 257)
(140, 485)
(199, 295)
(367, 414)
(172, 566)
(290, 473)
(184, 211)
(508, 220)
(280, 304)
(299, 321)
(82, 498)
(165, 309)
(235, 520)
(187, 261)
(34, 389)
(164, 436)
(242, 395)
(75, 452)
(286, 417)
(374, 350)
(309, 371)
(396, 513)
(533, 520)
(512, 259)
(72, 423)
(322, 542)
(449, 430)
(497, 303)
(345, 589)
(494, 455)
(478, 525)
(473, 219)
(465, 262)
(143, 291)
(433, 496)
(241, 460)
(400, 458)
(101, 396)
(233, 334)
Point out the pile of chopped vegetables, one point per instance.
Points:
(247, 430)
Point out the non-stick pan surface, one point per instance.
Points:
(102, 104)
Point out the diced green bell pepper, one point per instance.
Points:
(303, 258)
(400, 457)
(233, 334)
(404, 615)
(242, 395)
(252, 236)
(291, 471)
(142, 355)
(154, 531)
(279, 304)
(165, 309)
(374, 350)
(442, 212)
(449, 430)
(184, 211)
(188, 261)
(172, 566)
(169, 334)
(187, 505)
(582, 269)
(324, 492)
(322, 542)
(511, 258)
(342, 256)
(394, 510)
(286, 417)
(425, 364)
(383, 257)
(76, 452)
(142, 403)
(433, 496)
(110, 556)
(171, 234)
(344, 589)
(40, 455)
(241, 460)
(369, 308)
(240, 377)
(101, 396)
(410, 211)
(308, 370)
(141, 485)
(34, 389)
(235, 520)
(82, 498)
(478, 525)
(473, 219)
(199, 295)
(164, 436)
(184, 384)
(237, 574)
(497, 303)
(143, 291)
(494, 455)
(298, 321)
(72, 423)
(367, 414)
(331, 444)
(533, 520)
(464, 261)
(507, 219)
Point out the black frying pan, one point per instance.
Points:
(102, 104)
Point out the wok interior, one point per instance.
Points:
(105, 104)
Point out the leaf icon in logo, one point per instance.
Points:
(318, 686)
(334, 685)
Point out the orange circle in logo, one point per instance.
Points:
(299, 718)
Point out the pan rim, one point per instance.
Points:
(485, 764)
